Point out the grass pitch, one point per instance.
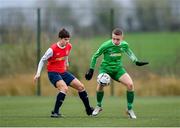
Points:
(35, 111)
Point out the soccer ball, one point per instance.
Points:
(103, 79)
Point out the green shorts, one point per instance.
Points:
(113, 74)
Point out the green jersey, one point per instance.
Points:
(112, 55)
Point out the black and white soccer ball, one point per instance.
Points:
(104, 79)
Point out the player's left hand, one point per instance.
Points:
(138, 63)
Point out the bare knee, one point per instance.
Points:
(80, 87)
(64, 89)
(130, 86)
(76, 84)
(100, 88)
(61, 86)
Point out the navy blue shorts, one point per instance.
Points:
(55, 76)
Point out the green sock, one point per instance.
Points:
(130, 99)
(99, 96)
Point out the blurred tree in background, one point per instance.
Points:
(153, 15)
(94, 16)
(102, 15)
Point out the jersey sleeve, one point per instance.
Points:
(130, 53)
(98, 53)
(45, 57)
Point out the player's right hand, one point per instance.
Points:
(89, 74)
(36, 77)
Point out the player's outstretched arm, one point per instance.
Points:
(89, 74)
(140, 63)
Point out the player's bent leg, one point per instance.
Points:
(127, 81)
(62, 87)
(76, 84)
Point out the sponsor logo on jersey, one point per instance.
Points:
(61, 58)
(115, 54)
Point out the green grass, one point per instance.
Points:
(35, 111)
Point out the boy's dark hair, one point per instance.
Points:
(63, 33)
(117, 31)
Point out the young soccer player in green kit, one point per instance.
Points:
(112, 65)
